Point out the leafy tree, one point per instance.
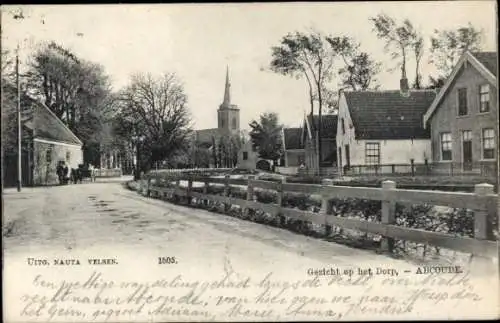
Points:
(304, 55)
(418, 51)
(266, 136)
(359, 70)
(154, 115)
(448, 45)
(399, 39)
(77, 91)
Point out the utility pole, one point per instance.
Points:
(19, 151)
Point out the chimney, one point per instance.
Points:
(403, 86)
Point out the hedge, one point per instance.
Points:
(419, 216)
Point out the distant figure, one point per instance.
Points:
(92, 173)
(60, 172)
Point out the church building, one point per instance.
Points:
(228, 129)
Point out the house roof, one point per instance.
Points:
(292, 138)
(488, 59)
(206, 135)
(389, 114)
(48, 126)
(329, 125)
(44, 123)
(484, 62)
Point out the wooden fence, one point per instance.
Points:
(483, 169)
(483, 202)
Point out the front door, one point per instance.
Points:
(467, 150)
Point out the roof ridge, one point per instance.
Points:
(395, 91)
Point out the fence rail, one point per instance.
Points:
(483, 168)
(483, 202)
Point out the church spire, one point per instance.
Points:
(227, 90)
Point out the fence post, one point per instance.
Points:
(483, 228)
(226, 192)
(483, 218)
(148, 186)
(326, 208)
(388, 214)
(249, 193)
(177, 188)
(279, 202)
(205, 191)
(189, 189)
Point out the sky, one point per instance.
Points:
(198, 41)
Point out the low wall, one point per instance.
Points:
(105, 172)
(288, 170)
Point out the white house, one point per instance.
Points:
(382, 128)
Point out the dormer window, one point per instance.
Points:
(484, 98)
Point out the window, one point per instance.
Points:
(48, 154)
(446, 146)
(488, 143)
(372, 153)
(462, 102)
(245, 155)
(484, 98)
(343, 126)
(234, 123)
(467, 135)
(68, 156)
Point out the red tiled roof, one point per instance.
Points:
(389, 114)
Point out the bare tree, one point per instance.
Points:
(155, 109)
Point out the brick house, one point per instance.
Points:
(377, 128)
(46, 140)
(463, 119)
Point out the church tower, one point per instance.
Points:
(228, 115)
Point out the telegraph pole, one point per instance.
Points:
(19, 151)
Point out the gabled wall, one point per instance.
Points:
(446, 118)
